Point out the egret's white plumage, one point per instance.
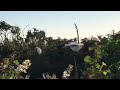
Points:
(39, 51)
(74, 46)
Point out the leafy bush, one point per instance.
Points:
(13, 69)
(96, 58)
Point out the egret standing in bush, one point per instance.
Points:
(75, 46)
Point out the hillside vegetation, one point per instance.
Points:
(98, 58)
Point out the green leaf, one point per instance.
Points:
(108, 71)
(98, 66)
(105, 73)
(90, 48)
(16, 62)
(88, 59)
(104, 64)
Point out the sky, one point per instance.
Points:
(61, 23)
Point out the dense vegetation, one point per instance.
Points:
(99, 58)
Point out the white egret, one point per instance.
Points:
(39, 51)
(74, 46)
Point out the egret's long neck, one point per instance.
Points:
(77, 32)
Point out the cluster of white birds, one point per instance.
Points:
(75, 46)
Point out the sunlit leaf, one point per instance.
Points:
(88, 59)
(105, 73)
(98, 66)
(104, 64)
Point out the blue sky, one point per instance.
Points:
(61, 23)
